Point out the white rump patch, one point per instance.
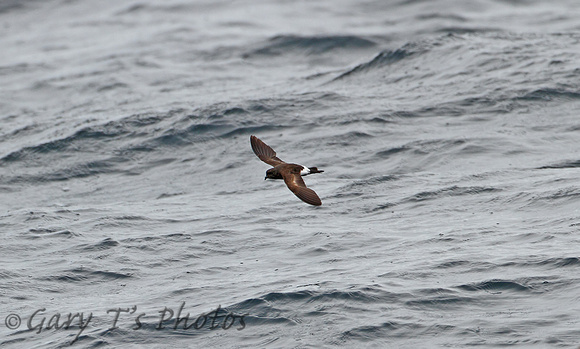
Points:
(305, 171)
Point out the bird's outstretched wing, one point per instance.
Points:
(296, 184)
(264, 152)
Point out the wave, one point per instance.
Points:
(85, 138)
(104, 244)
(550, 263)
(310, 45)
(549, 94)
(451, 191)
(130, 145)
(49, 232)
(561, 165)
(271, 304)
(85, 274)
(385, 58)
(151, 131)
(460, 74)
(387, 329)
(8, 6)
(496, 286)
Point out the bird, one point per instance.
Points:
(290, 173)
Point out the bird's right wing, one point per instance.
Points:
(264, 152)
(296, 184)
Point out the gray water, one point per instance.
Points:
(448, 131)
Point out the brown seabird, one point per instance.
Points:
(290, 173)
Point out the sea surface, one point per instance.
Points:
(134, 214)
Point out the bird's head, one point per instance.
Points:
(272, 174)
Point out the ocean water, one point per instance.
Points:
(134, 213)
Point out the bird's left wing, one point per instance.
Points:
(265, 152)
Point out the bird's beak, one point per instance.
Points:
(265, 178)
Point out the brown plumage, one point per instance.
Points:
(291, 173)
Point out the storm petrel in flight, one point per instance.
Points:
(290, 173)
